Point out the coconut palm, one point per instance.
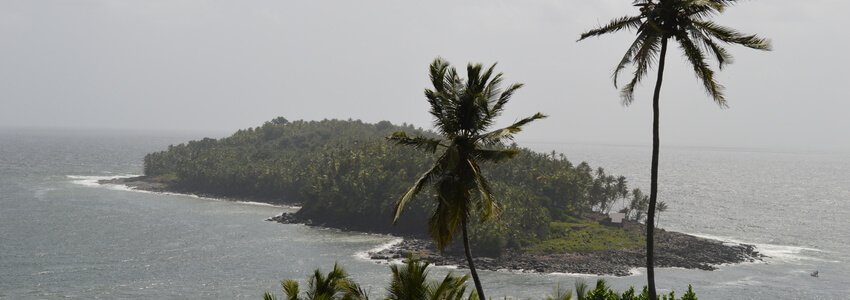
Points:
(560, 293)
(410, 282)
(659, 208)
(451, 288)
(581, 288)
(687, 22)
(334, 285)
(464, 111)
(637, 206)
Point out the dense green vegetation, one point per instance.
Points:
(410, 282)
(344, 174)
(689, 24)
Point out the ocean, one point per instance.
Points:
(62, 235)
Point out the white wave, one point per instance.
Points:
(211, 198)
(572, 274)
(258, 203)
(788, 253)
(367, 255)
(778, 252)
(728, 241)
(744, 282)
(94, 180)
(632, 272)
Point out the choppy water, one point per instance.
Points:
(62, 236)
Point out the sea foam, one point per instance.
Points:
(367, 255)
(94, 181)
(772, 251)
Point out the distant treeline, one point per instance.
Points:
(344, 174)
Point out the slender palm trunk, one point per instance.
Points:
(653, 183)
(471, 264)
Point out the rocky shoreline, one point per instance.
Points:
(141, 183)
(673, 249)
(616, 262)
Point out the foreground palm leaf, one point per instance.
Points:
(685, 21)
(333, 286)
(463, 113)
(410, 282)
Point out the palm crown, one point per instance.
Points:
(686, 22)
(463, 112)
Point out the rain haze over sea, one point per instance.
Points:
(137, 66)
(64, 236)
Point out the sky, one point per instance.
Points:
(227, 65)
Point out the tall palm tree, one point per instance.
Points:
(464, 111)
(687, 22)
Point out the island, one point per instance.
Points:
(344, 175)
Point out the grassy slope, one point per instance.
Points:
(585, 235)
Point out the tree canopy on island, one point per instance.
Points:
(344, 175)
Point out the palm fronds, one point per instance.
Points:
(686, 22)
(463, 111)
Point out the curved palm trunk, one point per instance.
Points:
(471, 264)
(653, 183)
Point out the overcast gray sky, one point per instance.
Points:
(226, 65)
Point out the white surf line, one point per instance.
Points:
(781, 252)
(367, 255)
(94, 181)
(582, 275)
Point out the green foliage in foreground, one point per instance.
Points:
(344, 174)
(410, 282)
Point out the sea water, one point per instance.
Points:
(64, 236)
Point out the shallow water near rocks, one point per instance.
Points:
(63, 237)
